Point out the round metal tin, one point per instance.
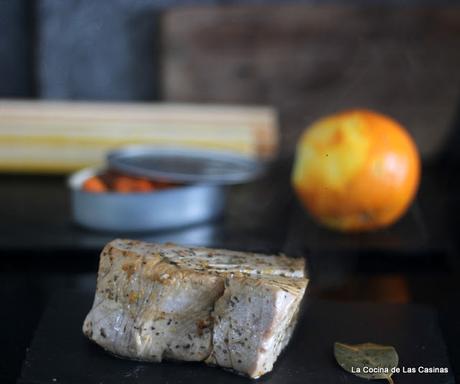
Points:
(170, 208)
(184, 165)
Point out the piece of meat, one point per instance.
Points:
(253, 322)
(232, 309)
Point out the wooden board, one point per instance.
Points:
(312, 60)
(64, 136)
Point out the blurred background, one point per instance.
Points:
(301, 60)
(306, 58)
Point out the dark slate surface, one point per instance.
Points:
(61, 354)
(38, 208)
(262, 215)
(18, 323)
(43, 252)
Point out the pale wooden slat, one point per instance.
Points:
(36, 134)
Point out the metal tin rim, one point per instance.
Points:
(232, 168)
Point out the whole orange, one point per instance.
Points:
(357, 170)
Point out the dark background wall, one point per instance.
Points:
(17, 64)
(311, 60)
(98, 49)
(307, 58)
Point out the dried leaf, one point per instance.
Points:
(368, 360)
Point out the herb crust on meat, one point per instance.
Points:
(162, 301)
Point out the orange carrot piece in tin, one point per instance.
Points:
(94, 184)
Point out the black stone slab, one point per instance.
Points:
(61, 354)
(37, 208)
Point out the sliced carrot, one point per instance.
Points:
(123, 184)
(94, 184)
(142, 185)
(116, 182)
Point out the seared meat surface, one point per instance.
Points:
(162, 301)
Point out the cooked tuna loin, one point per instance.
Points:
(253, 322)
(232, 309)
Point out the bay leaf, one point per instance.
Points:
(354, 358)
